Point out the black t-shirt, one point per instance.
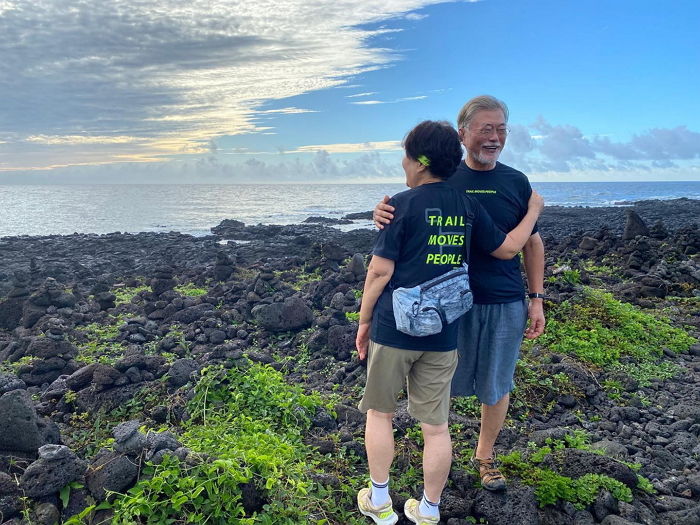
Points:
(503, 192)
(426, 239)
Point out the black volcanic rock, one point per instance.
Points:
(19, 423)
(292, 314)
(634, 225)
(326, 220)
(363, 215)
(56, 467)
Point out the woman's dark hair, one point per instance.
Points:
(434, 144)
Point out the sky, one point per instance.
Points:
(256, 91)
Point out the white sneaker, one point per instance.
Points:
(383, 515)
(412, 512)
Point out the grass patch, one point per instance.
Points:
(86, 434)
(97, 344)
(302, 278)
(599, 330)
(252, 422)
(190, 290)
(124, 295)
(551, 487)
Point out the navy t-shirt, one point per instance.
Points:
(504, 193)
(426, 239)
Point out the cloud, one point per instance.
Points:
(321, 166)
(368, 94)
(562, 143)
(387, 145)
(174, 75)
(564, 148)
(395, 101)
(81, 139)
(664, 144)
(287, 111)
(543, 147)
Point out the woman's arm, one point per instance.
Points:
(518, 236)
(378, 275)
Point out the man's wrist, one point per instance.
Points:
(535, 295)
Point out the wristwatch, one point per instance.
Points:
(536, 295)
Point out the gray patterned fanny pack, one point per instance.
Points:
(427, 308)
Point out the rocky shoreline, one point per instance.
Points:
(112, 330)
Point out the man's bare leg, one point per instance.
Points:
(379, 443)
(492, 419)
(437, 458)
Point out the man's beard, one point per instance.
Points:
(481, 159)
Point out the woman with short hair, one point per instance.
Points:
(429, 236)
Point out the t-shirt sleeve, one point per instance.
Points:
(527, 193)
(485, 234)
(389, 240)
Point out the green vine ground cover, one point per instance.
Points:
(248, 427)
(601, 331)
(551, 487)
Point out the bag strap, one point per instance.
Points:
(469, 214)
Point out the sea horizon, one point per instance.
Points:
(195, 208)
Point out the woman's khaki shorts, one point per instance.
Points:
(429, 375)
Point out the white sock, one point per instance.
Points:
(379, 493)
(429, 509)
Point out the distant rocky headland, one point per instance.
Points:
(161, 376)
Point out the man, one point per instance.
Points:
(404, 256)
(490, 334)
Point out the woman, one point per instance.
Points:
(426, 239)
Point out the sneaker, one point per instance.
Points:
(383, 515)
(491, 476)
(412, 512)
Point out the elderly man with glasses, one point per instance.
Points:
(490, 334)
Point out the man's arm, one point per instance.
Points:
(383, 213)
(533, 257)
(379, 273)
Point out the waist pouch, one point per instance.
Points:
(427, 308)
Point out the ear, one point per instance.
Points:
(460, 132)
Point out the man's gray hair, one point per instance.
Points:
(480, 103)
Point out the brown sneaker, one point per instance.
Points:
(491, 476)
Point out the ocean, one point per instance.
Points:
(194, 209)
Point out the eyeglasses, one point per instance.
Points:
(487, 131)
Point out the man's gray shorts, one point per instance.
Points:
(488, 345)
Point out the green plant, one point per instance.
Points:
(600, 269)
(568, 276)
(534, 384)
(551, 487)
(613, 387)
(253, 423)
(190, 290)
(15, 366)
(204, 493)
(352, 316)
(466, 406)
(96, 342)
(70, 397)
(645, 485)
(64, 493)
(302, 278)
(125, 294)
(598, 329)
